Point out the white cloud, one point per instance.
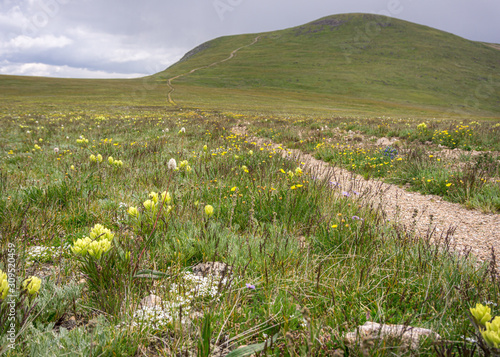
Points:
(12, 18)
(45, 42)
(47, 70)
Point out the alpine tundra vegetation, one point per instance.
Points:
(214, 225)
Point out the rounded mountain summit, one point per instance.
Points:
(356, 58)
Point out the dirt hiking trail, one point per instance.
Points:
(465, 229)
(233, 53)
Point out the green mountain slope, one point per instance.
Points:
(352, 59)
(350, 64)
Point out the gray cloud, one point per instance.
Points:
(129, 38)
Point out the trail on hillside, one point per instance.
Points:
(427, 215)
(233, 53)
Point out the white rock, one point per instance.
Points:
(150, 301)
(213, 268)
(371, 331)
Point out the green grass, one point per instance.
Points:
(321, 263)
(306, 264)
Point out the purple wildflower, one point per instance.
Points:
(250, 286)
(345, 193)
(334, 184)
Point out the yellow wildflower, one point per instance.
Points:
(4, 285)
(481, 314)
(32, 285)
(133, 211)
(209, 211)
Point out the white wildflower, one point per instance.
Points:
(164, 314)
(172, 164)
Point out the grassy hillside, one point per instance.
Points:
(351, 58)
(344, 65)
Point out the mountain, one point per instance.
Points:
(358, 59)
(348, 64)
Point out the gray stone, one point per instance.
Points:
(384, 142)
(370, 333)
(150, 301)
(212, 268)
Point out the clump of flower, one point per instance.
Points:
(298, 171)
(98, 242)
(4, 285)
(205, 148)
(481, 314)
(95, 158)
(155, 200)
(82, 140)
(184, 165)
(133, 211)
(193, 287)
(488, 328)
(158, 317)
(115, 163)
(149, 205)
(32, 285)
(390, 152)
(41, 253)
(91, 247)
(244, 168)
(491, 334)
(422, 127)
(182, 131)
(101, 232)
(165, 197)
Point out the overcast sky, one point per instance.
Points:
(131, 38)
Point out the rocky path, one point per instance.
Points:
(467, 229)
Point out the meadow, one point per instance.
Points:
(107, 207)
(457, 160)
(131, 225)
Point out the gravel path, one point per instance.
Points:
(468, 229)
